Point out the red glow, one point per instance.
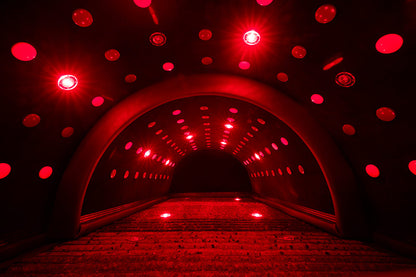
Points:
(289, 171)
(325, 13)
(154, 16)
(130, 78)
(228, 126)
(126, 174)
(184, 127)
(237, 199)
(282, 77)
(189, 137)
(284, 141)
(254, 128)
(348, 129)
(147, 153)
(345, 79)
(385, 114)
(298, 52)
(5, 169)
(157, 39)
(167, 162)
(264, 2)
(142, 3)
(31, 120)
(372, 170)
(159, 132)
(97, 101)
(412, 167)
(176, 112)
(261, 121)
(230, 119)
(233, 110)
(153, 157)
(267, 150)
(258, 215)
(168, 66)
(165, 215)
(251, 37)
(128, 145)
(136, 175)
(67, 82)
(301, 169)
(257, 156)
(274, 145)
(113, 173)
(67, 132)
(112, 55)
(333, 63)
(139, 150)
(207, 60)
(151, 124)
(45, 172)
(180, 121)
(23, 51)
(244, 65)
(205, 34)
(223, 142)
(280, 171)
(203, 108)
(82, 17)
(250, 134)
(317, 99)
(389, 43)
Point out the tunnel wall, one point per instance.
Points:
(338, 175)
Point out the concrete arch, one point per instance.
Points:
(348, 208)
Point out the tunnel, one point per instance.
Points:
(208, 138)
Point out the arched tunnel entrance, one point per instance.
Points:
(330, 179)
(210, 171)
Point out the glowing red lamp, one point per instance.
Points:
(251, 37)
(165, 215)
(67, 82)
(228, 126)
(147, 153)
(258, 215)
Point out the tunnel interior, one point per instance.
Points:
(108, 106)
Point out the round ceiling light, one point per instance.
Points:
(67, 82)
(251, 37)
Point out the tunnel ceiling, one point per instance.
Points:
(140, 162)
(347, 62)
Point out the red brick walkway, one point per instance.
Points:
(209, 237)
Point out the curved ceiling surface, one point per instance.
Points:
(346, 63)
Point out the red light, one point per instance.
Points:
(24, 51)
(113, 174)
(385, 114)
(284, 141)
(189, 137)
(280, 171)
(31, 120)
(257, 156)
(317, 99)
(412, 167)
(274, 145)
(205, 34)
(233, 110)
(333, 63)
(228, 126)
(147, 153)
(372, 170)
(165, 215)
(251, 37)
(223, 142)
(184, 127)
(136, 175)
(348, 129)
(244, 65)
(282, 77)
(126, 174)
(388, 44)
(142, 3)
(237, 199)
(139, 150)
(130, 78)
(207, 60)
(128, 145)
(151, 124)
(67, 82)
(264, 2)
(261, 121)
(97, 101)
(258, 215)
(167, 162)
(157, 39)
(176, 112)
(289, 171)
(180, 121)
(299, 52)
(112, 55)
(301, 170)
(4, 170)
(168, 66)
(267, 150)
(159, 132)
(325, 13)
(67, 132)
(45, 172)
(82, 17)
(345, 79)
